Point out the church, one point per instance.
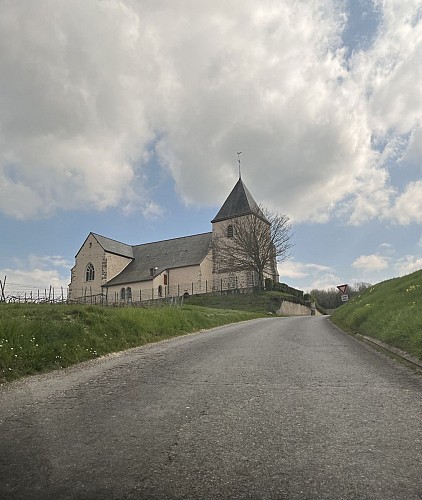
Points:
(106, 269)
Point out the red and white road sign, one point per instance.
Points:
(342, 289)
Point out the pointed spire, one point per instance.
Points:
(239, 202)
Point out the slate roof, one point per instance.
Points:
(113, 246)
(239, 202)
(168, 254)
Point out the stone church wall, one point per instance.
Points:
(91, 251)
(106, 266)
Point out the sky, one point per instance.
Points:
(124, 118)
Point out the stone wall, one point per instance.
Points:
(292, 309)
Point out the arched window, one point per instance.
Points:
(160, 291)
(128, 293)
(122, 293)
(89, 273)
(230, 231)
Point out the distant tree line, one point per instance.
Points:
(331, 299)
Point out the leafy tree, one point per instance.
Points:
(254, 242)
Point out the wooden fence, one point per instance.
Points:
(31, 294)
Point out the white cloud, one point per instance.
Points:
(37, 273)
(293, 269)
(317, 275)
(326, 281)
(91, 91)
(371, 263)
(408, 264)
(387, 249)
(408, 206)
(152, 210)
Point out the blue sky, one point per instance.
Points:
(124, 118)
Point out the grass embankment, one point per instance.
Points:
(40, 338)
(390, 311)
(262, 302)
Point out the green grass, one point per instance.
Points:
(390, 311)
(38, 338)
(262, 302)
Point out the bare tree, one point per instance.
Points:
(253, 242)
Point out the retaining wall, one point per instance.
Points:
(292, 309)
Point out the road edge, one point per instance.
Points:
(392, 352)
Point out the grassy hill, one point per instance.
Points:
(42, 337)
(390, 311)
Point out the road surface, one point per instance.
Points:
(268, 409)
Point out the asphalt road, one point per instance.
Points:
(269, 409)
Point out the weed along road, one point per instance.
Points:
(267, 409)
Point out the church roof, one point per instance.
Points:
(113, 246)
(168, 254)
(239, 202)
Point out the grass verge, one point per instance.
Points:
(390, 311)
(261, 302)
(39, 338)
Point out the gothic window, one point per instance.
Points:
(128, 293)
(160, 291)
(122, 293)
(89, 273)
(230, 231)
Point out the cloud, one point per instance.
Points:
(152, 210)
(408, 264)
(371, 263)
(387, 249)
(326, 281)
(408, 206)
(93, 92)
(317, 275)
(293, 269)
(37, 272)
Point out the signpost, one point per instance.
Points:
(343, 290)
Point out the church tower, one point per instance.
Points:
(239, 208)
